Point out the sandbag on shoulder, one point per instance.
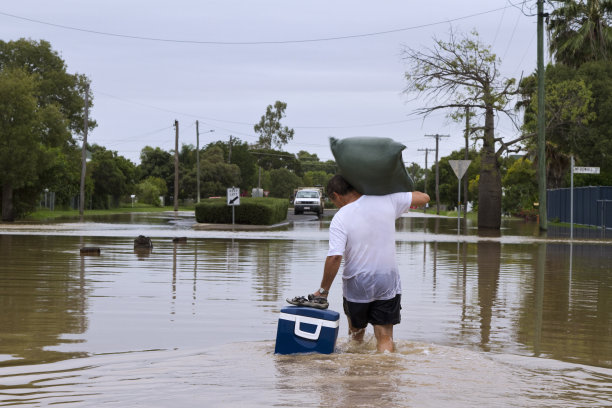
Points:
(373, 165)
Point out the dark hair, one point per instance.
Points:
(338, 185)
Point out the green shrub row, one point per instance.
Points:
(252, 211)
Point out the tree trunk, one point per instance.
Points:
(489, 187)
(7, 202)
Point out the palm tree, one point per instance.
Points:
(580, 31)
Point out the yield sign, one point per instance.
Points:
(459, 167)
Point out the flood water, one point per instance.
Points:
(505, 321)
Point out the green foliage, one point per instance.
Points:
(310, 163)
(55, 85)
(113, 177)
(520, 187)
(580, 31)
(283, 182)
(41, 104)
(417, 173)
(463, 73)
(270, 159)
(215, 174)
(271, 132)
(316, 178)
(243, 158)
(251, 211)
(150, 189)
(578, 102)
(448, 179)
(155, 162)
(63, 175)
(20, 122)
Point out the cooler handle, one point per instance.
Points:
(305, 334)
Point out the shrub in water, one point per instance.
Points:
(252, 211)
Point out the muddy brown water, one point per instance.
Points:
(506, 320)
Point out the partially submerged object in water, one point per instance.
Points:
(143, 242)
(90, 251)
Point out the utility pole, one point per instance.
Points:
(198, 159)
(84, 155)
(437, 136)
(541, 126)
(229, 159)
(176, 165)
(426, 150)
(466, 157)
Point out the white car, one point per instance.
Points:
(308, 200)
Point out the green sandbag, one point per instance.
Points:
(373, 165)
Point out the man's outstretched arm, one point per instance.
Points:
(330, 270)
(419, 199)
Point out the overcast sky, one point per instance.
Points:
(222, 62)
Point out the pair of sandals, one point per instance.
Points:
(318, 302)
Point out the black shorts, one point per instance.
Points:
(378, 312)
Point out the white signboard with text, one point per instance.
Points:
(586, 170)
(233, 196)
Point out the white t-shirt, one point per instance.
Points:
(363, 232)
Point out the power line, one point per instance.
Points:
(276, 42)
(209, 119)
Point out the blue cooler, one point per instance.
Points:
(306, 330)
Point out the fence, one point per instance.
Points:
(592, 205)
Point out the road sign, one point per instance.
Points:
(586, 170)
(459, 167)
(233, 196)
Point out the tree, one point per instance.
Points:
(269, 159)
(20, 151)
(580, 31)
(417, 174)
(243, 158)
(448, 179)
(113, 177)
(150, 189)
(216, 175)
(271, 132)
(316, 178)
(520, 189)
(578, 102)
(155, 162)
(463, 73)
(283, 182)
(311, 162)
(41, 105)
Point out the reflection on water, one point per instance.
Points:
(485, 321)
(41, 306)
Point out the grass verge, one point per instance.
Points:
(48, 215)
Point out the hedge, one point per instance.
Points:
(252, 211)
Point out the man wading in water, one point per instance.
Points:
(363, 232)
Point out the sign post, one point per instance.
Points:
(233, 199)
(459, 167)
(577, 170)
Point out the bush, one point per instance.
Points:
(251, 211)
(149, 190)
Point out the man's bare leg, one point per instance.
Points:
(384, 337)
(355, 334)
